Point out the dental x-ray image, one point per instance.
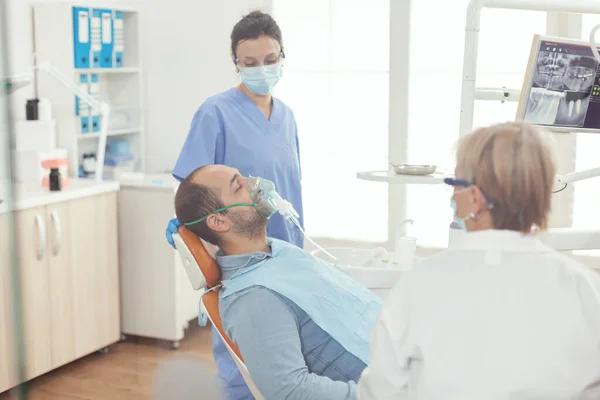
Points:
(572, 109)
(561, 88)
(581, 73)
(543, 106)
(550, 70)
(560, 71)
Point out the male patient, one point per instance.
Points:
(301, 325)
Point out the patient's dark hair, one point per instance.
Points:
(194, 201)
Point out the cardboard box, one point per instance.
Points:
(35, 135)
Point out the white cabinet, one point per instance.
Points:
(60, 276)
(67, 256)
(36, 310)
(8, 360)
(108, 265)
(157, 299)
(93, 225)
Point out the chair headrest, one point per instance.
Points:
(201, 268)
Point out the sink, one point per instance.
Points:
(379, 276)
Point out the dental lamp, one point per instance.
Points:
(11, 84)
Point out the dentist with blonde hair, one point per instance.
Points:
(500, 315)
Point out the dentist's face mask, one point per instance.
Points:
(262, 191)
(464, 187)
(461, 222)
(262, 79)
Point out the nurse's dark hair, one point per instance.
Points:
(194, 201)
(253, 26)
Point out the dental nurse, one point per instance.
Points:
(248, 129)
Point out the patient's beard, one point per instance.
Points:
(249, 224)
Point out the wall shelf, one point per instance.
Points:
(99, 71)
(113, 132)
(120, 86)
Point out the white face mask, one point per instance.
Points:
(460, 221)
(261, 80)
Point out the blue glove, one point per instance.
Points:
(172, 228)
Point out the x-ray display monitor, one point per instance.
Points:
(562, 86)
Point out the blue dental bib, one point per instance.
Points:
(340, 306)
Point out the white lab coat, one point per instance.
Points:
(500, 316)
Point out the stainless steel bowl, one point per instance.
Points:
(413, 169)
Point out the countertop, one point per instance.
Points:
(149, 181)
(34, 195)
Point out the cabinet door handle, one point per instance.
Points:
(41, 236)
(58, 232)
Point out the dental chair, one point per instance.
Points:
(203, 273)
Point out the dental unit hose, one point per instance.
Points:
(288, 212)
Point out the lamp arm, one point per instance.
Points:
(66, 82)
(577, 176)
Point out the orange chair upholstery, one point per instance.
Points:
(203, 273)
(212, 275)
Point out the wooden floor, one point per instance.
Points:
(126, 372)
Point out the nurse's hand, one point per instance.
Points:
(172, 228)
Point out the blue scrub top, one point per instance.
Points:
(230, 129)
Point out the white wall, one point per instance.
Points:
(186, 60)
(20, 45)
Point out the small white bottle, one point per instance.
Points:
(45, 110)
(405, 247)
(455, 233)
